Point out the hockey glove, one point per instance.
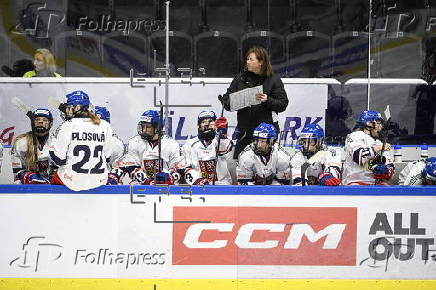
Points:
(221, 126)
(201, 181)
(382, 171)
(115, 176)
(138, 175)
(176, 174)
(163, 178)
(327, 179)
(28, 177)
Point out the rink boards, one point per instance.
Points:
(217, 237)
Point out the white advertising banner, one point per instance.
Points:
(307, 104)
(217, 236)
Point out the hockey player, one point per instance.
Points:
(200, 153)
(263, 162)
(29, 166)
(117, 144)
(82, 145)
(421, 172)
(367, 160)
(1, 155)
(325, 171)
(143, 152)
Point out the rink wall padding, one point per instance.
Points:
(217, 237)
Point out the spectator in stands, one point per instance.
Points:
(257, 71)
(44, 63)
(20, 67)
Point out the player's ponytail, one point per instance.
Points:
(89, 114)
(94, 118)
(30, 154)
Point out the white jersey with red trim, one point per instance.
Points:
(412, 173)
(118, 151)
(255, 169)
(1, 156)
(82, 149)
(18, 156)
(330, 162)
(359, 154)
(201, 157)
(144, 154)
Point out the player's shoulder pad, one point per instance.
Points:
(191, 142)
(135, 140)
(64, 124)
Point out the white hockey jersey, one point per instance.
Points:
(1, 156)
(142, 154)
(412, 173)
(202, 158)
(18, 157)
(82, 149)
(359, 147)
(118, 151)
(258, 170)
(331, 162)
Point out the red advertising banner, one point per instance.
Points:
(264, 236)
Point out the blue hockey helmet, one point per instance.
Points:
(42, 112)
(368, 116)
(311, 139)
(78, 98)
(149, 117)
(206, 115)
(313, 131)
(430, 170)
(265, 131)
(103, 113)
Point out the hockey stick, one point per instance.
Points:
(54, 103)
(312, 160)
(217, 147)
(386, 132)
(28, 112)
(159, 143)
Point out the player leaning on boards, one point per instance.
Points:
(82, 145)
(368, 161)
(201, 156)
(326, 170)
(150, 154)
(420, 172)
(31, 163)
(263, 162)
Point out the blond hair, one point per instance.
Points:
(90, 114)
(261, 55)
(48, 58)
(30, 157)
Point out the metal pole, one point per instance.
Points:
(167, 62)
(369, 55)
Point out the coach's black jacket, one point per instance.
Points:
(250, 117)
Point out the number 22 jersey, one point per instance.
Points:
(82, 149)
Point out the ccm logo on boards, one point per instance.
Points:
(265, 236)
